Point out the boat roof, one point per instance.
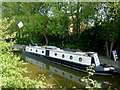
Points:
(51, 47)
(63, 51)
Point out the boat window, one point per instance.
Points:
(36, 62)
(36, 50)
(31, 49)
(71, 76)
(63, 73)
(71, 57)
(80, 59)
(63, 56)
(55, 70)
(43, 65)
(42, 51)
(55, 54)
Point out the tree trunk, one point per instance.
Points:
(22, 35)
(46, 39)
(19, 37)
(77, 17)
(107, 50)
(111, 47)
(72, 20)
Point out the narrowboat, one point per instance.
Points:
(71, 58)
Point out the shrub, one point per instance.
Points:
(11, 66)
(90, 83)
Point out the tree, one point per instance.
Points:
(110, 32)
(26, 11)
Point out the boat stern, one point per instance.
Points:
(109, 68)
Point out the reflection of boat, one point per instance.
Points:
(66, 75)
(78, 60)
(56, 70)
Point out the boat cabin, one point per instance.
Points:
(83, 58)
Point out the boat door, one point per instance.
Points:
(97, 62)
(47, 52)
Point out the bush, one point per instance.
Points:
(11, 67)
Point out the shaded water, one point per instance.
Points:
(61, 76)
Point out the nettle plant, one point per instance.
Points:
(90, 83)
(11, 72)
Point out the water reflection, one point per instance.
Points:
(42, 65)
(69, 77)
(56, 69)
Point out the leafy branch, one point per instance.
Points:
(90, 83)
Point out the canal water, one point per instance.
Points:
(60, 76)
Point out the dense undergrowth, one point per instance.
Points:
(11, 73)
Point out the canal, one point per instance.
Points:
(60, 76)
